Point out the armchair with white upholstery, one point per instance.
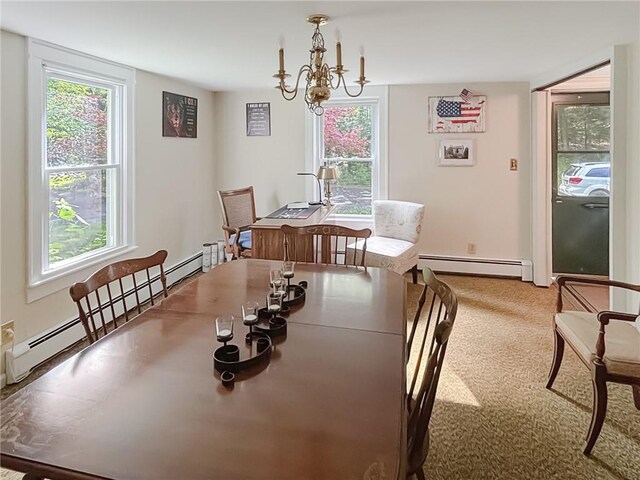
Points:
(396, 230)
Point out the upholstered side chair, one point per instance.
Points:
(608, 343)
(396, 230)
(238, 214)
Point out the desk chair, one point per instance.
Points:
(107, 277)
(323, 243)
(396, 230)
(608, 343)
(238, 214)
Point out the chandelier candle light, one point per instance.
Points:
(320, 77)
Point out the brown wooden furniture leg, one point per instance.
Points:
(31, 476)
(636, 395)
(599, 410)
(414, 274)
(558, 352)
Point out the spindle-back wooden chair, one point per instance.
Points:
(425, 364)
(105, 277)
(323, 243)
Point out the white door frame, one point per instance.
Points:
(541, 154)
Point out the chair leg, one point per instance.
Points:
(414, 274)
(599, 410)
(420, 474)
(558, 352)
(636, 395)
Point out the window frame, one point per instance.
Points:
(377, 97)
(47, 61)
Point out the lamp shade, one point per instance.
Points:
(327, 173)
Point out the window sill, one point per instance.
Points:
(64, 279)
(352, 221)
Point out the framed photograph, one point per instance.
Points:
(456, 153)
(179, 115)
(258, 119)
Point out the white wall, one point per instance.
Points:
(175, 184)
(268, 163)
(486, 204)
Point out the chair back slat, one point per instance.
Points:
(149, 284)
(124, 301)
(322, 244)
(100, 311)
(135, 290)
(113, 312)
(426, 362)
(80, 292)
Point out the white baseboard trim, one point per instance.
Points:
(478, 266)
(3, 380)
(24, 356)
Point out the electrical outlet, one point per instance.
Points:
(471, 248)
(7, 332)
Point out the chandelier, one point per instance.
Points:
(320, 77)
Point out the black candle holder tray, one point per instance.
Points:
(274, 326)
(227, 357)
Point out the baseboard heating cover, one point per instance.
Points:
(26, 355)
(479, 266)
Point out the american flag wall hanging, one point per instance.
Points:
(457, 114)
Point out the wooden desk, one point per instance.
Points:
(267, 239)
(144, 401)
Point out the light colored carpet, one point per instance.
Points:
(494, 419)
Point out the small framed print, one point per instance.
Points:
(258, 119)
(456, 153)
(179, 115)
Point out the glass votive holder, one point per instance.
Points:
(288, 269)
(274, 303)
(224, 328)
(275, 278)
(250, 313)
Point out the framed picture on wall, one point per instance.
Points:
(456, 153)
(179, 115)
(258, 119)
(457, 115)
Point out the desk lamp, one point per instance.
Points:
(327, 174)
(319, 202)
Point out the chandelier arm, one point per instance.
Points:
(353, 95)
(331, 77)
(294, 90)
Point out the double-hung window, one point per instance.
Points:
(349, 137)
(80, 151)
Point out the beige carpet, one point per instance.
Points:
(494, 419)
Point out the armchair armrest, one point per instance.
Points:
(604, 318)
(562, 280)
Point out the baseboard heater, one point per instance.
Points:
(25, 356)
(479, 266)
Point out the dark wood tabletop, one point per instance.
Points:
(145, 403)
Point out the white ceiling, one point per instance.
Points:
(234, 45)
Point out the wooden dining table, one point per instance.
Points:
(145, 402)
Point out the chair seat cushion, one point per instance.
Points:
(244, 241)
(622, 341)
(384, 252)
